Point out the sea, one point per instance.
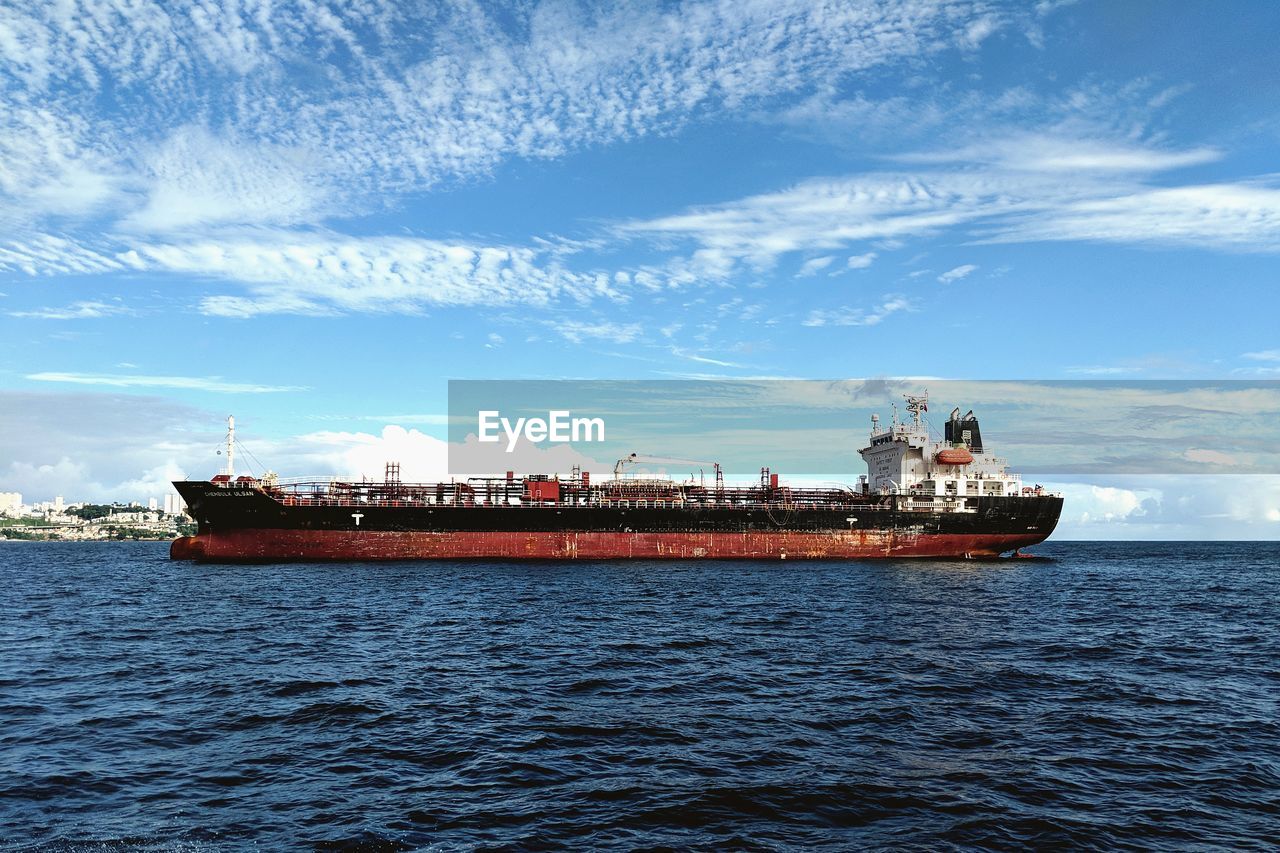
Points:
(1109, 696)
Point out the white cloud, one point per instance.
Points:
(576, 331)
(48, 165)
(75, 311)
(422, 458)
(434, 419)
(891, 304)
(813, 266)
(830, 214)
(1264, 355)
(49, 254)
(232, 118)
(702, 359)
(140, 444)
(957, 273)
(1225, 216)
(979, 30)
(1197, 507)
(996, 201)
(1212, 457)
(193, 383)
(195, 179)
(1101, 370)
(154, 482)
(1023, 152)
(301, 272)
(1107, 504)
(135, 443)
(619, 73)
(77, 482)
(310, 105)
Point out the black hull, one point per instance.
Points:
(219, 509)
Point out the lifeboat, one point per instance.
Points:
(954, 456)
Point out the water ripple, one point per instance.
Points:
(1119, 696)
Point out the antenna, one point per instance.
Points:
(231, 445)
(917, 403)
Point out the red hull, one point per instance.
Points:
(288, 545)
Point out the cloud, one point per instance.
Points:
(1238, 216)
(196, 179)
(190, 383)
(139, 444)
(1101, 370)
(828, 215)
(134, 444)
(48, 165)
(891, 304)
(422, 458)
(434, 419)
(978, 30)
(814, 266)
(1031, 152)
(1092, 504)
(1201, 507)
(992, 200)
(1211, 457)
(702, 359)
(1264, 355)
(615, 74)
(49, 254)
(576, 331)
(956, 273)
(318, 273)
(180, 138)
(253, 114)
(75, 311)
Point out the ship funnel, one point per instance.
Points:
(964, 431)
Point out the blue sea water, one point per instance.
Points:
(1120, 695)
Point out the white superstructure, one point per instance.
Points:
(903, 459)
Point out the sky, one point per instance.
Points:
(313, 215)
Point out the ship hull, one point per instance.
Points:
(317, 545)
(249, 525)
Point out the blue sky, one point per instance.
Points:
(313, 215)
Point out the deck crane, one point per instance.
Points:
(638, 458)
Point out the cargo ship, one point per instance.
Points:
(921, 497)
